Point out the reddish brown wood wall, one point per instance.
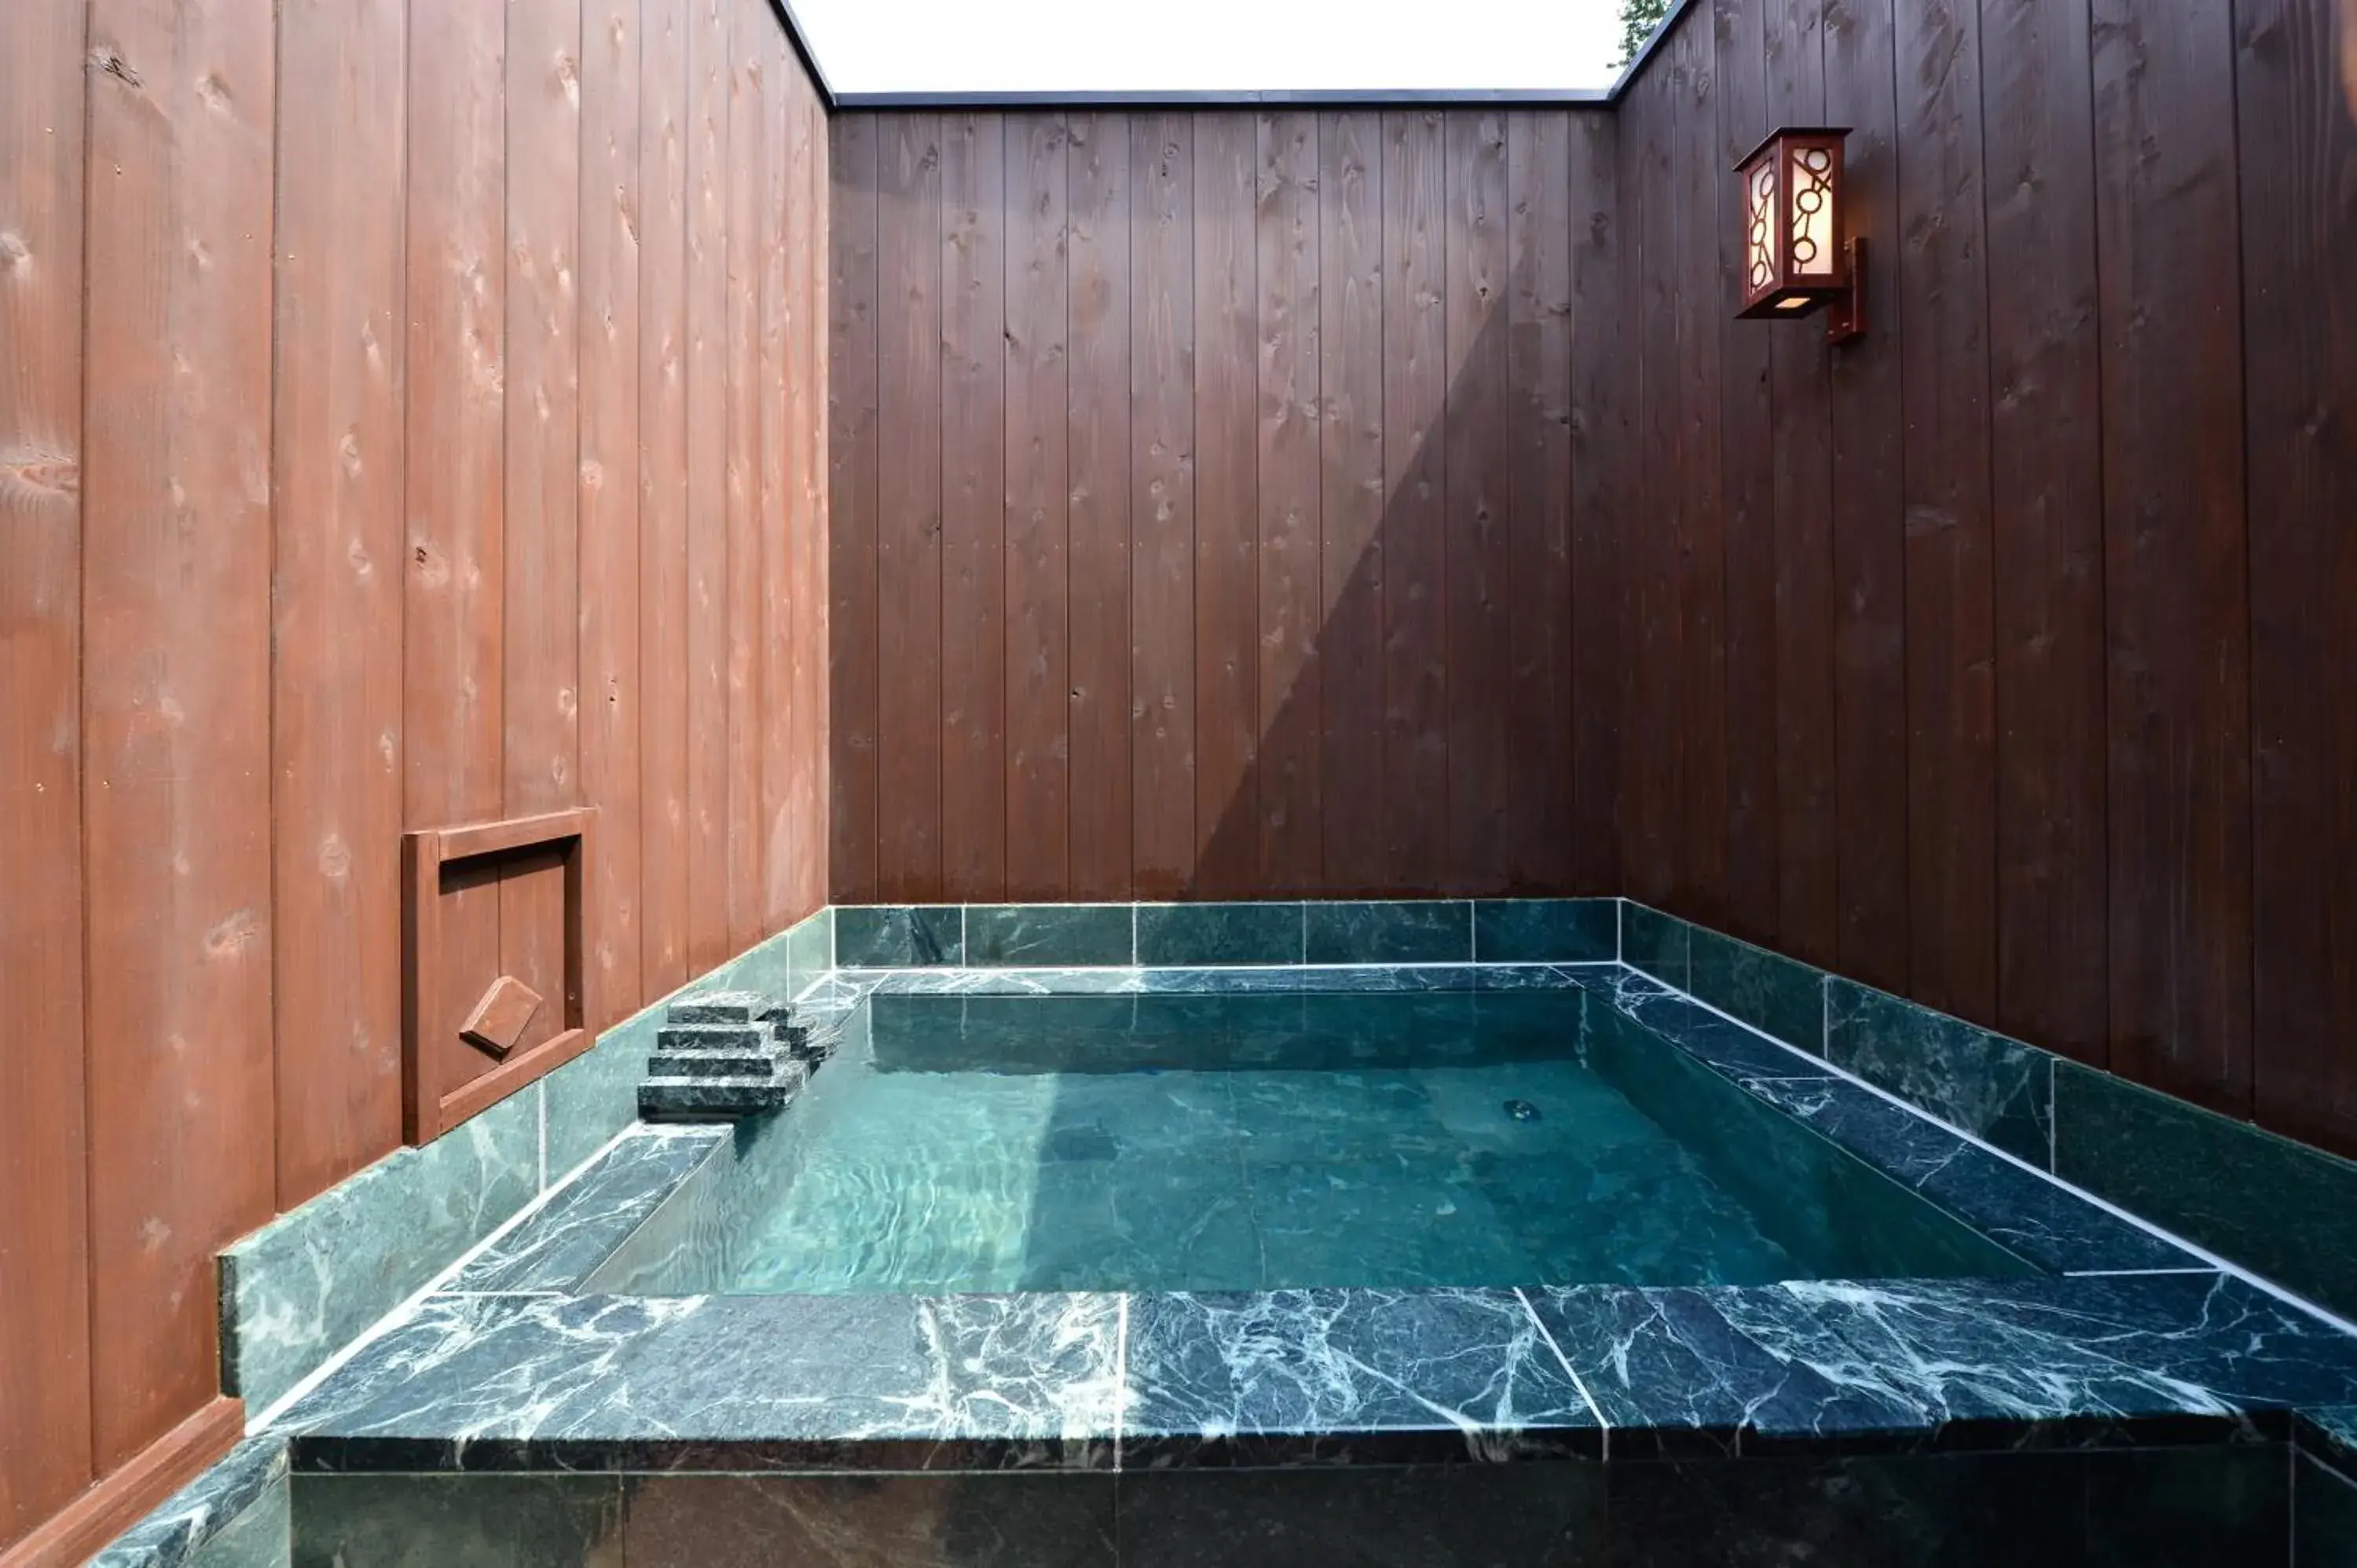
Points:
(1207, 489)
(375, 387)
(2006, 651)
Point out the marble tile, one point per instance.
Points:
(1768, 991)
(2328, 1434)
(1197, 936)
(1444, 1516)
(750, 1383)
(1996, 1087)
(458, 1521)
(1730, 1049)
(2275, 1206)
(810, 949)
(2324, 1516)
(1329, 1377)
(301, 1288)
(596, 1094)
(2020, 1210)
(1410, 931)
(875, 935)
(1034, 936)
(1547, 930)
(233, 1516)
(996, 1520)
(1676, 1376)
(1657, 944)
(580, 1226)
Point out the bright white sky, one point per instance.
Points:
(1198, 46)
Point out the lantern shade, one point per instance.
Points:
(1796, 249)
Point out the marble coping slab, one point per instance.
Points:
(2124, 1340)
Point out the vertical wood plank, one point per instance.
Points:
(1599, 510)
(663, 132)
(1869, 518)
(973, 507)
(743, 393)
(1652, 813)
(1225, 611)
(1477, 559)
(1799, 407)
(176, 699)
(2046, 522)
(1539, 711)
(612, 703)
(1350, 511)
(336, 473)
(1038, 691)
(1748, 484)
(540, 710)
(808, 279)
(2177, 605)
(909, 527)
(2298, 174)
(1415, 402)
(1701, 574)
(1162, 501)
(1097, 560)
(45, 1421)
(709, 606)
(853, 473)
(1941, 315)
(781, 509)
(1291, 602)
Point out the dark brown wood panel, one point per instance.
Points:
(1540, 721)
(806, 354)
(909, 510)
(1746, 489)
(1098, 551)
(781, 509)
(336, 697)
(1868, 588)
(2177, 608)
(1415, 468)
(1600, 480)
(853, 477)
(44, 1413)
(2046, 516)
(2299, 190)
(612, 694)
(1288, 796)
(175, 692)
(974, 506)
(1225, 588)
(663, 129)
(1039, 688)
(1941, 316)
(1478, 561)
(1801, 438)
(1162, 501)
(1350, 503)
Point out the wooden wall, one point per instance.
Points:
(409, 414)
(1220, 503)
(2003, 658)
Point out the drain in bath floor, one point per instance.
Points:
(1522, 1110)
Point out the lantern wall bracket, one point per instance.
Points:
(1845, 317)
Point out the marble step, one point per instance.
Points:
(721, 1007)
(761, 1062)
(714, 1099)
(712, 1037)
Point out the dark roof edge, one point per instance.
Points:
(1318, 98)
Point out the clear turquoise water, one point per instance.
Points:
(1248, 1142)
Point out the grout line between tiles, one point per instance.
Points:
(1603, 1427)
(1120, 1378)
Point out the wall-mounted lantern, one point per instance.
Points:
(1798, 253)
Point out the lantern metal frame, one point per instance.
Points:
(1779, 249)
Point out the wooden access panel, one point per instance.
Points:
(480, 1022)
